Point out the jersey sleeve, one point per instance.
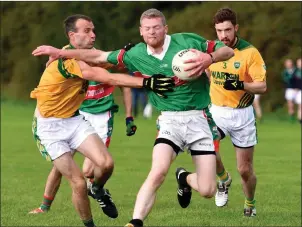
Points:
(202, 44)
(120, 58)
(212, 45)
(69, 68)
(195, 41)
(257, 68)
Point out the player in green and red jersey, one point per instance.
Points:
(185, 121)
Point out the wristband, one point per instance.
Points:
(213, 60)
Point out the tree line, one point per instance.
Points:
(272, 27)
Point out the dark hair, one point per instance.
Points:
(69, 22)
(225, 14)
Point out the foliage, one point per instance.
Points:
(273, 27)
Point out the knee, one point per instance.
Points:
(245, 171)
(157, 177)
(109, 164)
(105, 163)
(79, 186)
(208, 190)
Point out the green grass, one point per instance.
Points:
(24, 171)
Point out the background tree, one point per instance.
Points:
(273, 27)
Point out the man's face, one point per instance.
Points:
(153, 31)
(226, 32)
(288, 64)
(299, 63)
(84, 36)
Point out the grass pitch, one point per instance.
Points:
(24, 172)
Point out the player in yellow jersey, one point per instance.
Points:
(98, 109)
(58, 127)
(233, 85)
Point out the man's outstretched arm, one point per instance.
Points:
(90, 56)
(157, 83)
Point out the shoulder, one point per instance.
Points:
(243, 45)
(69, 67)
(247, 48)
(139, 48)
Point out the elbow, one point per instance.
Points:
(227, 53)
(230, 53)
(263, 89)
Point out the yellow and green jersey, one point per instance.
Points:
(247, 65)
(99, 96)
(61, 89)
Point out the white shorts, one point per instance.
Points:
(186, 129)
(57, 136)
(257, 97)
(298, 97)
(291, 94)
(240, 124)
(102, 123)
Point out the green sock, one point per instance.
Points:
(249, 202)
(223, 176)
(89, 223)
(46, 203)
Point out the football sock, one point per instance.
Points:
(183, 178)
(46, 203)
(292, 117)
(96, 186)
(223, 176)
(216, 145)
(89, 223)
(137, 222)
(249, 202)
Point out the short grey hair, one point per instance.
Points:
(153, 13)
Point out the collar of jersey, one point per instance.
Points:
(237, 42)
(70, 46)
(165, 48)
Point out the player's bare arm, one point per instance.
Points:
(202, 61)
(255, 87)
(157, 83)
(102, 75)
(92, 56)
(127, 99)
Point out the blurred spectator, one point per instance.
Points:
(148, 110)
(138, 96)
(298, 87)
(290, 91)
(257, 107)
